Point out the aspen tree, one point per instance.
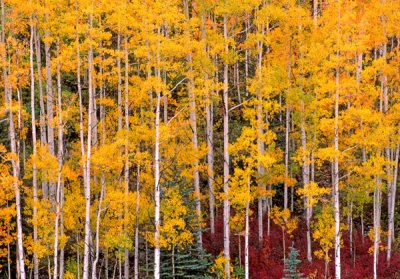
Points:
(34, 154)
(193, 120)
(15, 162)
(226, 155)
(335, 164)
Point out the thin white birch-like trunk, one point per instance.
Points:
(246, 235)
(86, 253)
(119, 81)
(336, 201)
(42, 120)
(377, 223)
(157, 175)
(210, 161)
(49, 104)
(306, 180)
(59, 159)
(287, 132)
(126, 167)
(193, 124)
(97, 239)
(226, 158)
(34, 155)
(81, 135)
(15, 160)
(136, 263)
(157, 192)
(392, 205)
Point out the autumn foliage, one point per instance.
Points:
(199, 138)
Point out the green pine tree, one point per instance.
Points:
(291, 263)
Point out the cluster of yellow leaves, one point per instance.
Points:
(312, 193)
(218, 267)
(371, 236)
(324, 232)
(284, 220)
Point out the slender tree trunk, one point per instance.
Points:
(193, 124)
(82, 139)
(350, 221)
(126, 167)
(34, 155)
(157, 192)
(62, 232)
(209, 136)
(97, 241)
(336, 200)
(136, 264)
(287, 133)
(15, 160)
(392, 205)
(226, 158)
(42, 120)
(60, 164)
(8, 258)
(119, 81)
(49, 100)
(210, 158)
(157, 175)
(246, 235)
(315, 12)
(42, 124)
(306, 180)
(260, 142)
(86, 253)
(377, 223)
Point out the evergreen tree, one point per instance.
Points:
(291, 263)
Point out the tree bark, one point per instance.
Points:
(226, 158)
(246, 235)
(157, 175)
(193, 124)
(126, 167)
(15, 159)
(335, 179)
(34, 155)
(60, 163)
(49, 104)
(86, 253)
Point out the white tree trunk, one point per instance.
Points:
(50, 113)
(392, 205)
(157, 175)
(97, 240)
(86, 253)
(226, 158)
(306, 180)
(15, 160)
(126, 167)
(377, 223)
(193, 124)
(336, 200)
(34, 152)
(246, 236)
(60, 163)
(157, 192)
(136, 264)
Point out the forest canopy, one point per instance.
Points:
(199, 139)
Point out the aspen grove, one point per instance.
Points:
(199, 139)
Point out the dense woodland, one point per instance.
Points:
(199, 139)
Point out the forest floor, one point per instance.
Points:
(266, 262)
